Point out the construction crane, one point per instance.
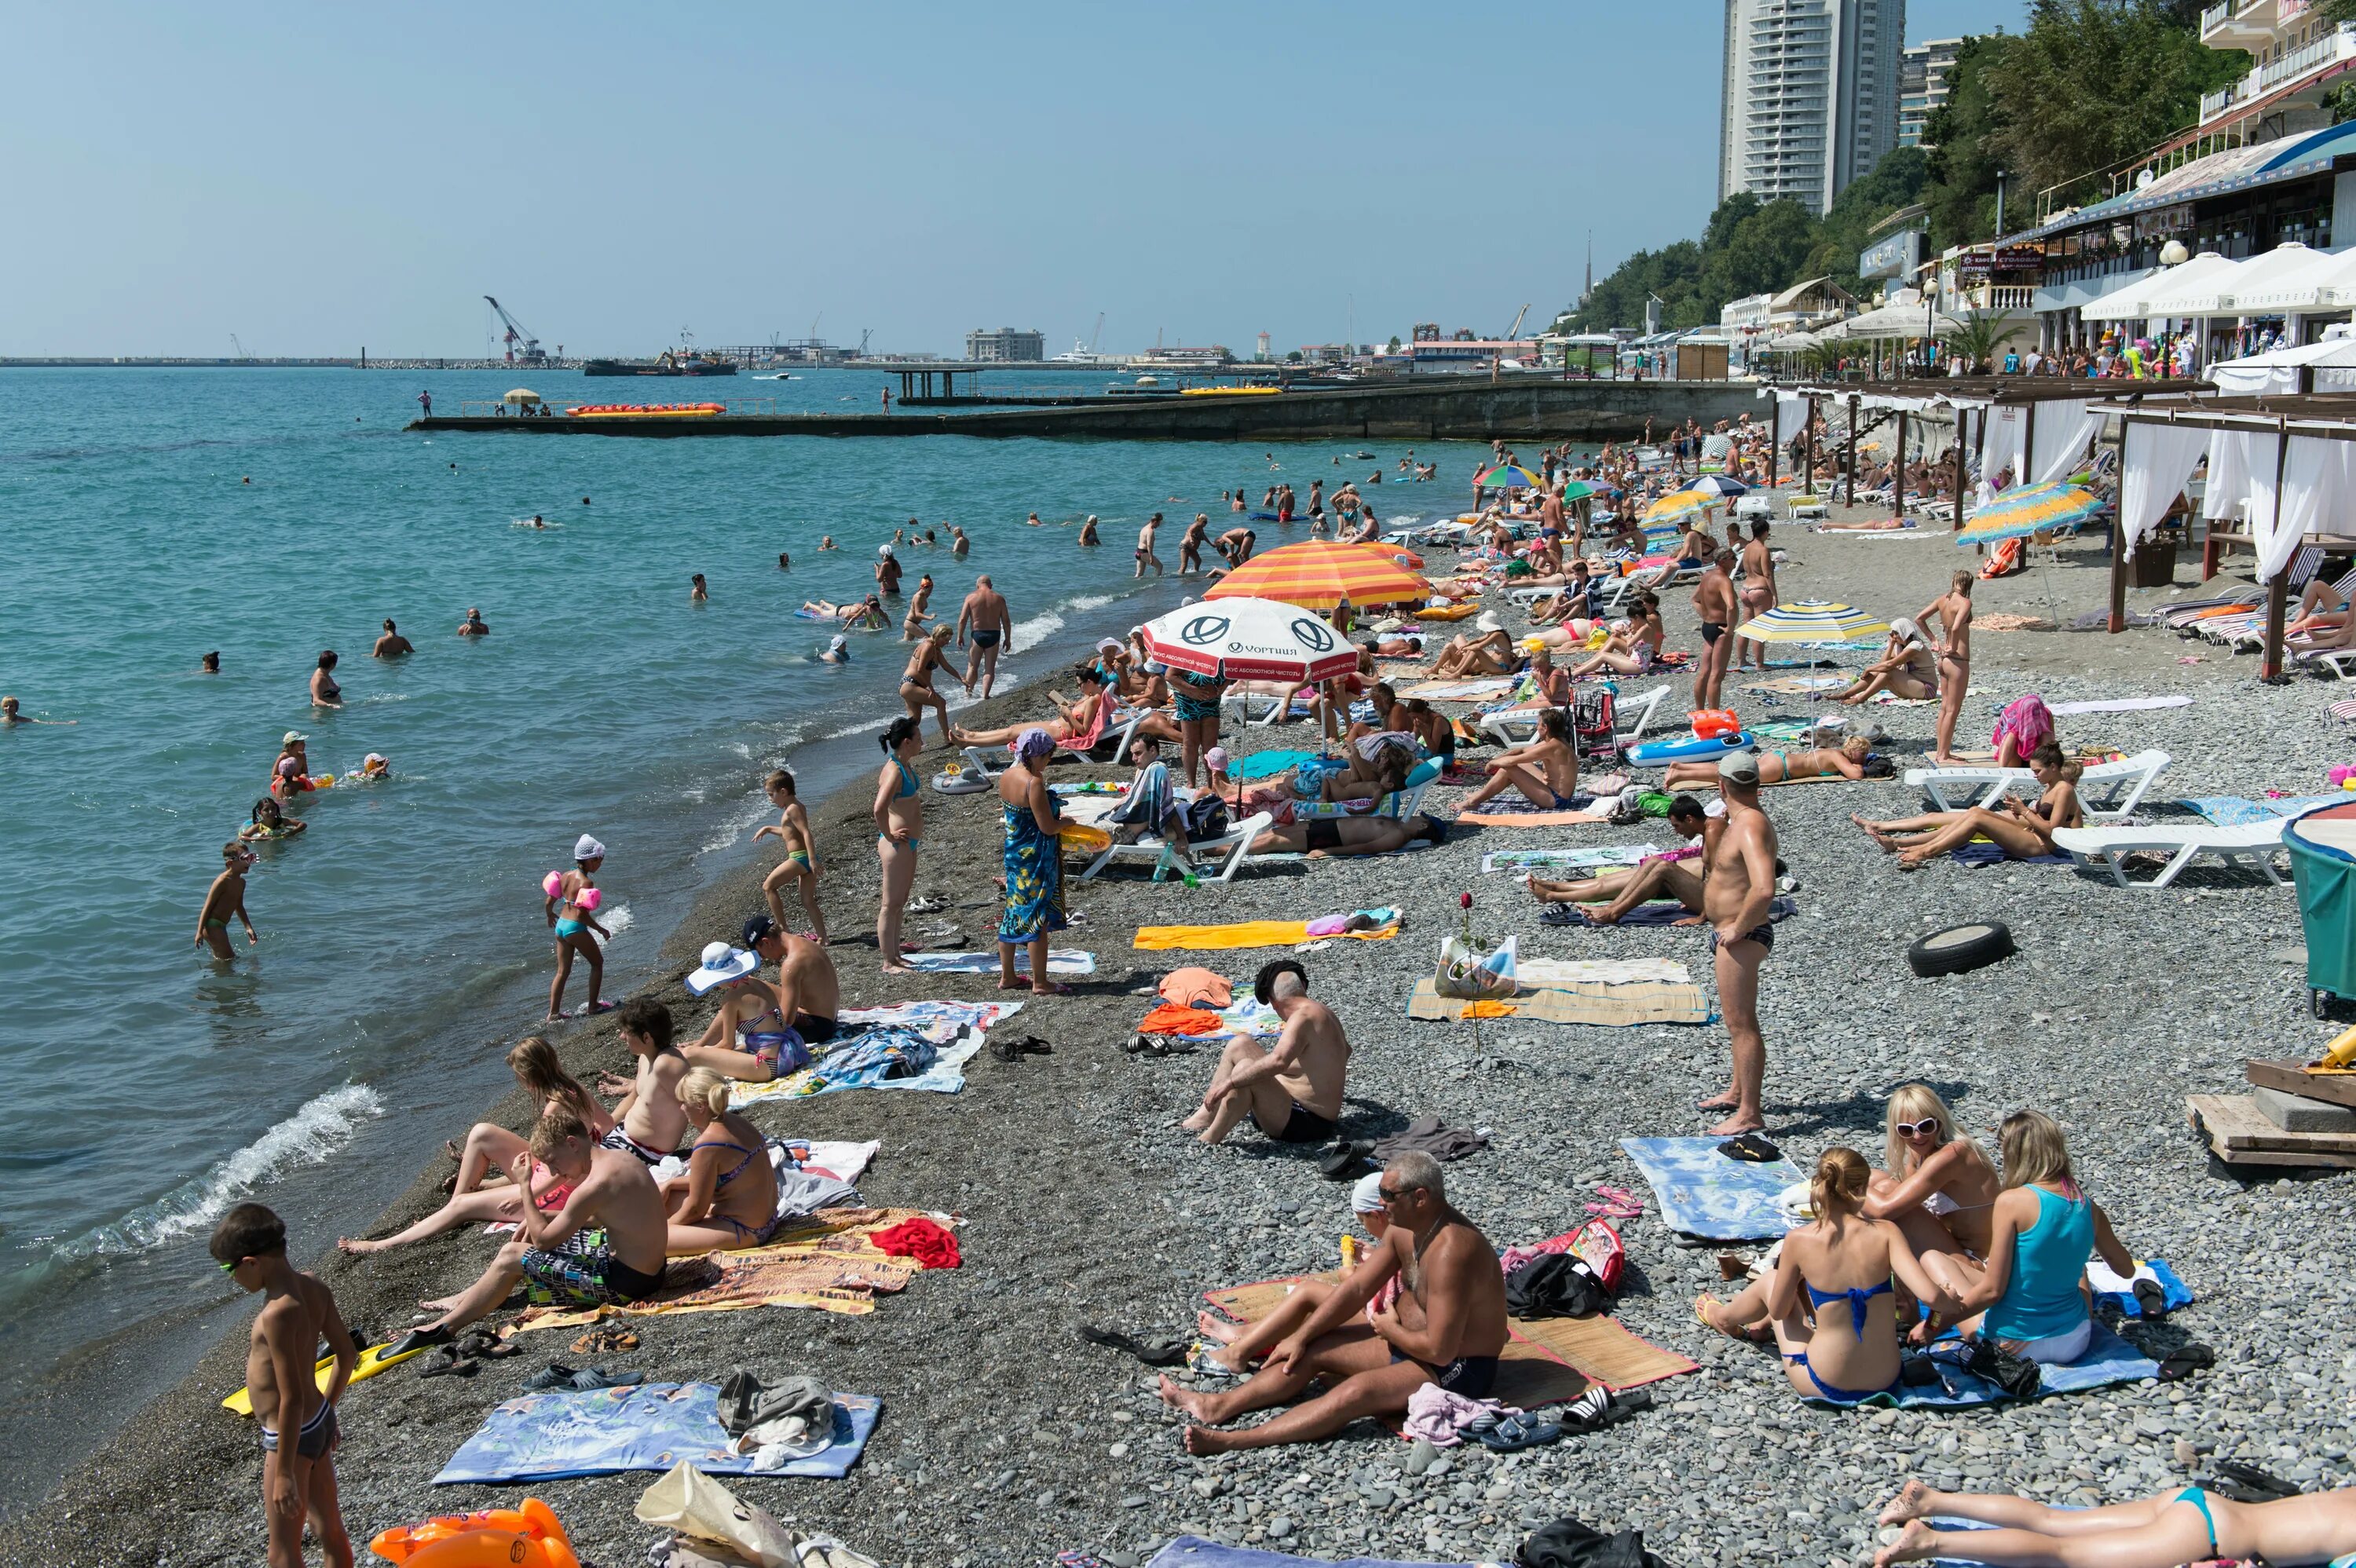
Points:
(1513, 331)
(530, 353)
(1098, 336)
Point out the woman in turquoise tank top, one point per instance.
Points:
(2032, 1298)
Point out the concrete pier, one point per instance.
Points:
(1519, 408)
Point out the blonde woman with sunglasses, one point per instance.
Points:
(1937, 1187)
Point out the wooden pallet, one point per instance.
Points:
(2292, 1079)
(2239, 1133)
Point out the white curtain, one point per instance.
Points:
(2159, 458)
(2063, 428)
(2001, 429)
(2276, 545)
(2229, 474)
(2309, 466)
(1790, 417)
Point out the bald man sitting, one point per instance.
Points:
(1293, 1093)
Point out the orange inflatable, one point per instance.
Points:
(528, 1537)
(1715, 723)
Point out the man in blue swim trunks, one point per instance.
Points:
(1428, 1306)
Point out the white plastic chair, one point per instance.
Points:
(1229, 849)
(2107, 791)
(2253, 845)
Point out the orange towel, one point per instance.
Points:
(1168, 1017)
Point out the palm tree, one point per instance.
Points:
(1976, 338)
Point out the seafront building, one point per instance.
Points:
(1925, 75)
(1005, 344)
(1810, 96)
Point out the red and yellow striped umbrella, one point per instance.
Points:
(1318, 574)
(1397, 554)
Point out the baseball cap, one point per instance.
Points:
(1739, 767)
(757, 929)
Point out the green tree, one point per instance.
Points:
(1975, 336)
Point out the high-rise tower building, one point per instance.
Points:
(1811, 95)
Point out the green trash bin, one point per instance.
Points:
(2322, 848)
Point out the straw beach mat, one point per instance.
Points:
(1583, 1002)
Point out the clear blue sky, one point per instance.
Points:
(317, 179)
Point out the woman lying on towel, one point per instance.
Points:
(1631, 646)
(2021, 831)
(1379, 763)
(1349, 836)
(2031, 1298)
(1841, 1343)
(1241, 1346)
(1939, 1188)
(482, 1192)
(1847, 760)
(728, 1198)
(2190, 1524)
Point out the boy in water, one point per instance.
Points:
(225, 900)
(800, 864)
(298, 1419)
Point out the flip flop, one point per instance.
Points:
(1590, 1411)
(1515, 1432)
(2150, 1300)
(1751, 1147)
(2186, 1360)
(1160, 1353)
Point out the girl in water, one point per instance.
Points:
(916, 691)
(728, 1198)
(270, 822)
(899, 812)
(481, 1191)
(571, 904)
(225, 900)
(325, 692)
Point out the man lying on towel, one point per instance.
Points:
(1349, 835)
(1293, 1092)
(1426, 1306)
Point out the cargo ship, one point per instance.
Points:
(668, 363)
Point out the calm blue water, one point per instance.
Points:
(402, 945)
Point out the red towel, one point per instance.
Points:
(1169, 1018)
(920, 1239)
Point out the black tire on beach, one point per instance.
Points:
(1960, 948)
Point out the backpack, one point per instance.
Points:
(1554, 1284)
(1207, 818)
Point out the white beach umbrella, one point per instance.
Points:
(1250, 639)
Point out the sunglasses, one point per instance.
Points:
(230, 1268)
(1921, 1129)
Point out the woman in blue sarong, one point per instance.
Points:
(1034, 869)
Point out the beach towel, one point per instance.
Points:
(1169, 1018)
(1063, 961)
(1798, 685)
(1585, 1002)
(1257, 933)
(2119, 1291)
(1462, 691)
(1703, 1193)
(1267, 764)
(1653, 911)
(2107, 1359)
(2120, 705)
(944, 1075)
(1546, 863)
(1529, 817)
(1981, 853)
(1537, 974)
(2234, 811)
(1193, 1552)
(549, 1436)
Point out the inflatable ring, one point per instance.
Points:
(960, 784)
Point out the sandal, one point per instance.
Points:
(2186, 1360)
(1515, 1432)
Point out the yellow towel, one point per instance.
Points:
(1249, 933)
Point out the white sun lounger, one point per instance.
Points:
(1520, 727)
(2107, 791)
(1112, 746)
(1226, 851)
(2253, 845)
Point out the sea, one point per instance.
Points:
(148, 517)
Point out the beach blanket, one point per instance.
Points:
(859, 1067)
(1981, 853)
(1063, 961)
(1529, 816)
(1583, 1002)
(1600, 856)
(1535, 1359)
(1653, 912)
(1537, 974)
(2234, 811)
(1799, 684)
(1267, 764)
(553, 1435)
(1462, 690)
(2107, 1359)
(1257, 933)
(2119, 705)
(1704, 1193)
(1193, 1552)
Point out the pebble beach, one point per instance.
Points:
(1005, 1439)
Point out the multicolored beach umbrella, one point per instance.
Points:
(1320, 573)
(1397, 554)
(2027, 509)
(1506, 477)
(1248, 639)
(1811, 621)
(1679, 503)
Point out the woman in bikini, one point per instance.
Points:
(916, 691)
(1079, 716)
(1630, 647)
(1905, 669)
(1938, 1188)
(728, 1198)
(481, 1192)
(1546, 770)
(750, 1037)
(899, 813)
(2023, 832)
(325, 692)
(1845, 761)
(2151, 1533)
(1841, 1344)
(800, 864)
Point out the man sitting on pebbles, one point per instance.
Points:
(1447, 1327)
(1293, 1093)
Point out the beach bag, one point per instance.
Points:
(1207, 818)
(1597, 1245)
(696, 1506)
(1554, 1284)
(1467, 973)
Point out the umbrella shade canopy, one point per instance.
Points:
(521, 395)
(2028, 509)
(1248, 639)
(1398, 554)
(1505, 477)
(1319, 574)
(1579, 490)
(1811, 621)
(1905, 321)
(1679, 503)
(1719, 484)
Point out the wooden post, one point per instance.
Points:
(1774, 442)
(1808, 475)
(2118, 622)
(2278, 587)
(1962, 414)
(2028, 469)
(1852, 450)
(1898, 473)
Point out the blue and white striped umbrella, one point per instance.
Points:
(1811, 621)
(1719, 484)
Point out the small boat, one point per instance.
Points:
(667, 363)
(1144, 387)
